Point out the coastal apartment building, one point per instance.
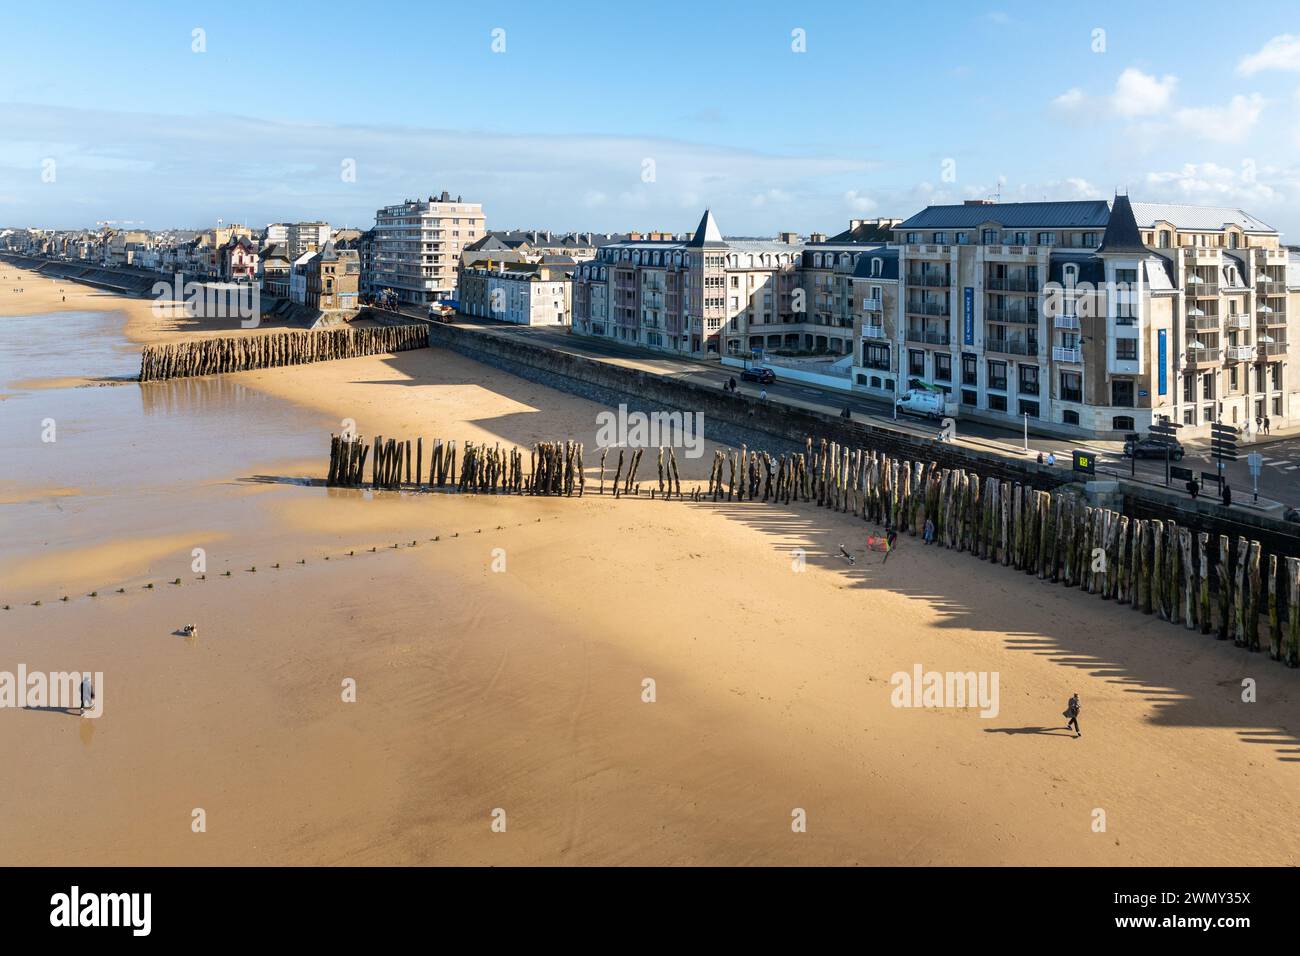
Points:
(1092, 318)
(417, 246)
(708, 296)
(332, 279)
(520, 292)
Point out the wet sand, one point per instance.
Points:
(522, 690)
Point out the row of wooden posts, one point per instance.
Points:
(1205, 582)
(554, 468)
(1210, 583)
(242, 353)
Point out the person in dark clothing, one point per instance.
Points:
(846, 413)
(732, 384)
(1227, 496)
(1072, 712)
(1193, 488)
(1266, 424)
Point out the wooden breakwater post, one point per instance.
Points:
(213, 355)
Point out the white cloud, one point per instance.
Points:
(1223, 124)
(858, 202)
(1280, 53)
(1070, 100)
(114, 164)
(1212, 184)
(1141, 94)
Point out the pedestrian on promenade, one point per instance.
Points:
(1072, 712)
(1266, 424)
(762, 394)
(1193, 487)
(1227, 496)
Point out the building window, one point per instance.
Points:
(969, 369)
(915, 362)
(1126, 350)
(1029, 380)
(963, 238)
(876, 356)
(1121, 393)
(1122, 423)
(990, 237)
(1070, 417)
(1028, 408)
(998, 403)
(942, 367)
(1071, 387)
(969, 397)
(998, 376)
(941, 238)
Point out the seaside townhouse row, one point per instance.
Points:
(1089, 318)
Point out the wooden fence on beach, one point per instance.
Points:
(1211, 583)
(242, 353)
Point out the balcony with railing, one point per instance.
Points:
(1267, 350)
(927, 336)
(1062, 354)
(1199, 359)
(1011, 313)
(1010, 346)
(1068, 322)
(1237, 322)
(873, 330)
(1203, 323)
(1239, 353)
(1010, 283)
(928, 307)
(932, 279)
(1270, 286)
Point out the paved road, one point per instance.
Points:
(1279, 480)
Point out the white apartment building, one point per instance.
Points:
(522, 293)
(417, 247)
(1091, 318)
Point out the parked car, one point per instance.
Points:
(758, 373)
(1153, 447)
(920, 401)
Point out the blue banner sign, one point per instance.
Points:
(968, 316)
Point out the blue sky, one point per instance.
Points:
(614, 117)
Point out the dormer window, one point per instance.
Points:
(876, 265)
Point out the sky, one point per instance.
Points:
(614, 117)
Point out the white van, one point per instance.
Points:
(918, 401)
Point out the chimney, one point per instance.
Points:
(854, 223)
(789, 238)
(817, 237)
(979, 202)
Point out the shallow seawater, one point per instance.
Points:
(87, 464)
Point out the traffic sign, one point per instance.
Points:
(1086, 462)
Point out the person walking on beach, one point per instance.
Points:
(928, 533)
(1072, 712)
(87, 693)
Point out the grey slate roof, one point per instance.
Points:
(1082, 214)
(707, 234)
(888, 265)
(1208, 218)
(1122, 233)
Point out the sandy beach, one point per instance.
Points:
(500, 649)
